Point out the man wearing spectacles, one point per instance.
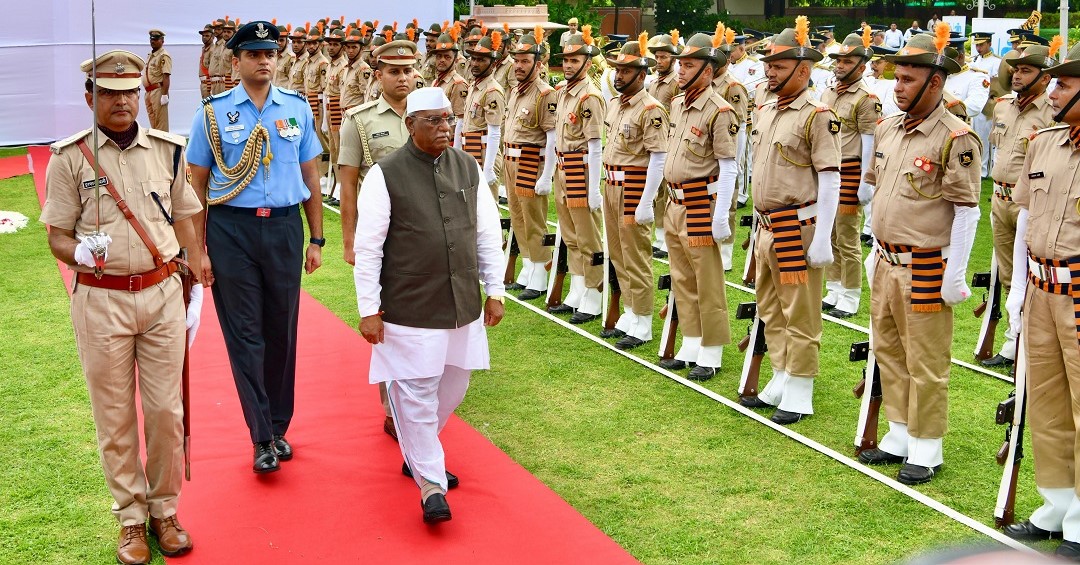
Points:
(428, 229)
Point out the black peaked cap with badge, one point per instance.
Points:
(255, 36)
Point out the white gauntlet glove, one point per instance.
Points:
(1018, 284)
(954, 288)
(194, 313)
(820, 253)
(645, 211)
(83, 251)
(164, 99)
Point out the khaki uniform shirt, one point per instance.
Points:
(579, 117)
(456, 90)
(374, 90)
(427, 70)
(504, 73)
(315, 73)
(913, 206)
(484, 105)
(859, 111)
(335, 74)
(220, 60)
(296, 74)
(790, 147)
(375, 125)
(664, 88)
(145, 167)
(699, 135)
(284, 66)
(204, 60)
(1011, 133)
(355, 84)
(1049, 187)
(158, 64)
(733, 91)
(635, 129)
(530, 114)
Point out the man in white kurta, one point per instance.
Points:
(427, 234)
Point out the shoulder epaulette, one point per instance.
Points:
(207, 100)
(891, 116)
(293, 92)
(361, 108)
(648, 106)
(458, 80)
(170, 137)
(1051, 128)
(56, 147)
(978, 70)
(959, 133)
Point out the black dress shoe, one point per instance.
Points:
(998, 360)
(502, 200)
(436, 509)
(561, 309)
(659, 254)
(451, 479)
(700, 373)
(672, 364)
(876, 456)
(825, 306)
(754, 402)
(628, 342)
(266, 459)
(282, 447)
(866, 239)
(911, 474)
(608, 334)
(1069, 550)
(530, 294)
(784, 418)
(515, 286)
(838, 313)
(581, 317)
(1026, 531)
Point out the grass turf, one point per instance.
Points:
(671, 475)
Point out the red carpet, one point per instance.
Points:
(14, 166)
(343, 498)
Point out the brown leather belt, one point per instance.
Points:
(130, 283)
(152, 87)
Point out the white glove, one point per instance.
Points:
(1018, 285)
(194, 313)
(84, 255)
(820, 253)
(645, 212)
(458, 127)
(954, 288)
(721, 228)
(164, 100)
(594, 162)
(866, 193)
(543, 184)
(325, 125)
(870, 264)
(724, 189)
(494, 137)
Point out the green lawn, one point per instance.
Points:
(669, 474)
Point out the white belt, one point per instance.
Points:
(1053, 275)
(483, 139)
(513, 152)
(215, 79)
(903, 259)
(804, 214)
(617, 176)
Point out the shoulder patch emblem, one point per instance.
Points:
(735, 98)
(586, 113)
(657, 122)
(877, 107)
(494, 105)
(834, 126)
(986, 83)
(967, 158)
(552, 107)
(464, 93)
(733, 128)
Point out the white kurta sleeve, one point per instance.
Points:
(489, 255)
(372, 224)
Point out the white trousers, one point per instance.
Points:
(421, 408)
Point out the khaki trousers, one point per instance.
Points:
(630, 248)
(1053, 387)
(581, 233)
(847, 264)
(528, 216)
(204, 87)
(1003, 216)
(913, 351)
(697, 277)
(791, 312)
(157, 114)
(117, 331)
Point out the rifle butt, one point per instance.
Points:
(753, 375)
(612, 316)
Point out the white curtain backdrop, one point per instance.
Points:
(43, 42)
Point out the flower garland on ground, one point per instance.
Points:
(11, 222)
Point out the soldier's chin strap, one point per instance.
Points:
(691, 82)
(845, 78)
(781, 86)
(1028, 86)
(632, 81)
(919, 95)
(577, 75)
(1060, 116)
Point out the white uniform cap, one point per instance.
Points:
(430, 98)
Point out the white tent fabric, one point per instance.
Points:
(41, 47)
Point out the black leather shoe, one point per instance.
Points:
(628, 342)
(1069, 550)
(754, 402)
(451, 479)
(911, 474)
(700, 373)
(282, 447)
(266, 459)
(581, 317)
(561, 309)
(997, 361)
(672, 364)
(436, 509)
(866, 239)
(608, 334)
(1026, 531)
(530, 294)
(515, 286)
(659, 253)
(838, 313)
(784, 418)
(878, 457)
(503, 201)
(825, 306)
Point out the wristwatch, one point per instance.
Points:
(320, 241)
(499, 299)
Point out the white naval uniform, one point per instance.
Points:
(427, 370)
(971, 87)
(750, 72)
(981, 123)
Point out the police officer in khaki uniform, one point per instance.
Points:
(369, 133)
(127, 307)
(156, 81)
(298, 38)
(335, 74)
(529, 144)
(431, 37)
(229, 76)
(634, 161)
(504, 72)
(1016, 117)
(925, 171)
(1049, 226)
(314, 86)
(700, 170)
(735, 93)
(207, 36)
(796, 189)
(579, 127)
(357, 74)
(858, 110)
(663, 89)
(285, 57)
(484, 108)
(216, 65)
(445, 54)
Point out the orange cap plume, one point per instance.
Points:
(445, 25)
(802, 31)
(506, 29)
(274, 21)
(342, 19)
(288, 28)
(729, 36)
(941, 36)
(675, 37)
(416, 23)
(1055, 45)
(455, 33)
(586, 34)
(411, 32)
(718, 34)
(867, 37)
(643, 43)
(375, 25)
(389, 35)
(483, 31)
(538, 34)
(307, 26)
(395, 27)
(496, 41)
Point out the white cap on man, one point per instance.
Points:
(429, 98)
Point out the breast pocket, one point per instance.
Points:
(159, 196)
(918, 183)
(789, 151)
(1040, 196)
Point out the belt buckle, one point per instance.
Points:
(135, 283)
(262, 212)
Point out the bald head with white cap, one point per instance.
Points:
(430, 120)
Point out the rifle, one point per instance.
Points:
(613, 313)
(755, 347)
(984, 347)
(557, 275)
(511, 251)
(1012, 412)
(187, 280)
(750, 264)
(866, 431)
(671, 320)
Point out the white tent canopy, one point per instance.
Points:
(44, 41)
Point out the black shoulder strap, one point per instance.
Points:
(176, 160)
